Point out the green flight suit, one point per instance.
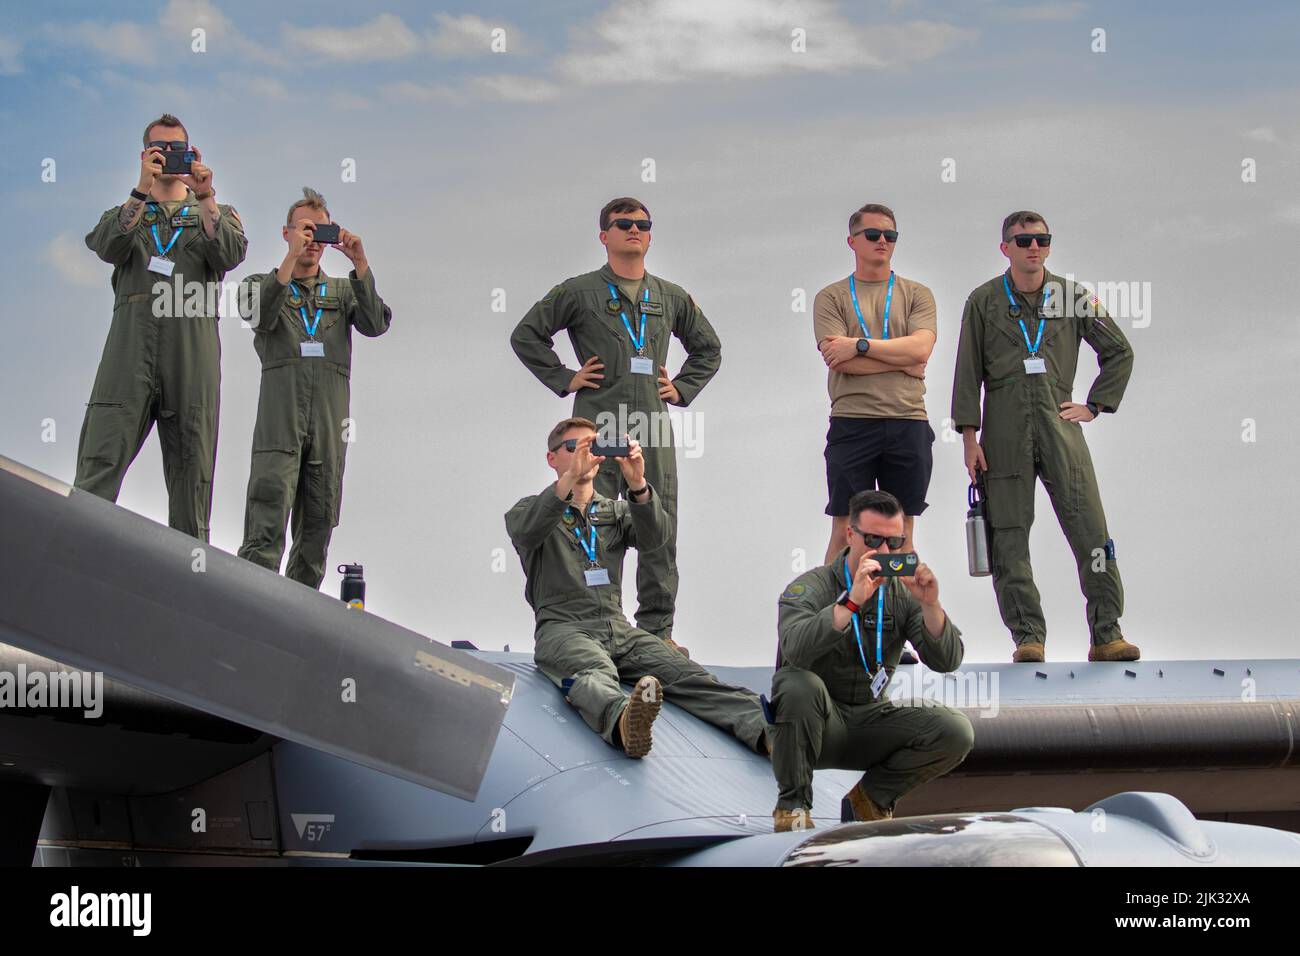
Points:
(163, 368)
(299, 444)
(1024, 437)
(826, 716)
(626, 401)
(583, 642)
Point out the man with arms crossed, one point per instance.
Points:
(876, 330)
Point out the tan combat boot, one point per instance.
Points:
(1029, 653)
(1117, 650)
(642, 708)
(857, 806)
(785, 821)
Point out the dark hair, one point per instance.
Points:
(881, 502)
(165, 120)
(556, 437)
(1021, 218)
(310, 198)
(622, 204)
(871, 207)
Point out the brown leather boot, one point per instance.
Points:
(1117, 650)
(1029, 653)
(642, 708)
(784, 821)
(857, 806)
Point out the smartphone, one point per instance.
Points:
(177, 162)
(609, 451)
(326, 233)
(901, 565)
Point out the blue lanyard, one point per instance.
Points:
(153, 228)
(880, 620)
(588, 547)
(639, 342)
(889, 297)
(302, 310)
(1015, 312)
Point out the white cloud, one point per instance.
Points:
(10, 56)
(245, 86)
(636, 41)
(140, 43)
(76, 264)
(386, 37)
(180, 17)
(126, 42)
(468, 35)
(515, 89)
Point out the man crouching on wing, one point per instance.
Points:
(841, 629)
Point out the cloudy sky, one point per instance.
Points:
(1164, 152)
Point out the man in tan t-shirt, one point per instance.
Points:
(876, 348)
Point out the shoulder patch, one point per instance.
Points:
(794, 591)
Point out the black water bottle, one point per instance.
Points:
(353, 590)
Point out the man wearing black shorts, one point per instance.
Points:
(875, 331)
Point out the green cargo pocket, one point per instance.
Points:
(1002, 507)
(102, 432)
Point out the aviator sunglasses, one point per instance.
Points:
(891, 235)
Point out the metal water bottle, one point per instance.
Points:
(977, 529)
(353, 590)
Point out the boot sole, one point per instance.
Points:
(640, 717)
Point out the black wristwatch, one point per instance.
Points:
(847, 602)
(636, 495)
(864, 346)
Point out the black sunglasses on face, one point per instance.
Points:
(627, 224)
(891, 235)
(875, 540)
(176, 144)
(569, 444)
(1025, 238)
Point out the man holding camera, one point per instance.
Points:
(876, 331)
(303, 335)
(571, 540)
(619, 320)
(162, 363)
(841, 629)
(1020, 335)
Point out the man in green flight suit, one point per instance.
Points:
(1020, 335)
(841, 629)
(162, 360)
(571, 540)
(619, 319)
(303, 335)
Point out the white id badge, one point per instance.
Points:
(313, 349)
(1035, 366)
(596, 576)
(163, 267)
(879, 681)
(642, 365)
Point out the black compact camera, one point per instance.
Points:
(326, 233)
(616, 450)
(901, 565)
(177, 162)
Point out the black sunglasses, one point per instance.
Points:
(569, 444)
(1025, 238)
(176, 144)
(627, 224)
(891, 235)
(876, 540)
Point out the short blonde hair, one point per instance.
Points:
(556, 437)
